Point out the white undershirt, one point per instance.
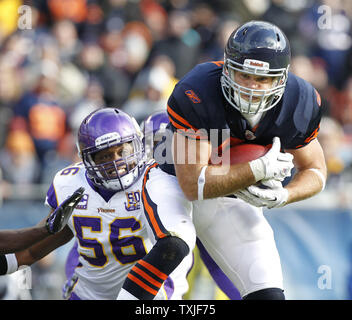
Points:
(253, 119)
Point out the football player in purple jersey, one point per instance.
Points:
(108, 222)
(250, 97)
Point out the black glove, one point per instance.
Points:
(59, 217)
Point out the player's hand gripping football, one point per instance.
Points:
(59, 217)
(273, 165)
(272, 195)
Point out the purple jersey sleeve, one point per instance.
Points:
(51, 197)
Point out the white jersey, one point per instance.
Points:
(112, 236)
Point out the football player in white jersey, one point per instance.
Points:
(109, 224)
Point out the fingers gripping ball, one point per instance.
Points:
(274, 164)
(59, 217)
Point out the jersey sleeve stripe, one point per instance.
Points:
(176, 125)
(310, 138)
(185, 128)
(150, 209)
(175, 116)
(154, 270)
(146, 277)
(313, 135)
(141, 284)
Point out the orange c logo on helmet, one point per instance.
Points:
(192, 96)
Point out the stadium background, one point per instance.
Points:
(71, 56)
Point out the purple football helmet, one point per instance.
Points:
(101, 130)
(153, 130)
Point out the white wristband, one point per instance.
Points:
(320, 175)
(258, 169)
(201, 183)
(12, 264)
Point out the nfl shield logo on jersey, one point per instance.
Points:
(133, 200)
(249, 135)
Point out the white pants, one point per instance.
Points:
(235, 234)
(240, 240)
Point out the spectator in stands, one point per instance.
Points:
(18, 159)
(337, 152)
(39, 112)
(182, 41)
(152, 88)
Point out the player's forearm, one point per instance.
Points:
(42, 248)
(219, 180)
(225, 180)
(15, 240)
(305, 184)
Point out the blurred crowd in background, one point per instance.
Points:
(73, 56)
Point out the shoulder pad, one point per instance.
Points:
(300, 105)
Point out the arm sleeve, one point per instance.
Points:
(183, 116)
(313, 126)
(51, 199)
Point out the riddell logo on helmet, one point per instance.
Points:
(112, 137)
(256, 64)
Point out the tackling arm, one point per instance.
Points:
(40, 249)
(9, 263)
(15, 240)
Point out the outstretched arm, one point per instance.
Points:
(10, 262)
(44, 247)
(15, 240)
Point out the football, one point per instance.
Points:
(243, 153)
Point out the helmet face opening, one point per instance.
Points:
(97, 146)
(115, 172)
(256, 49)
(245, 99)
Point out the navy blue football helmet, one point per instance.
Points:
(256, 48)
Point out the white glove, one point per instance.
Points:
(246, 196)
(273, 165)
(275, 196)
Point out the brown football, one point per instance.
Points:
(243, 153)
